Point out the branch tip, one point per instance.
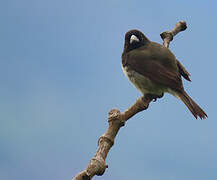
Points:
(182, 25)
(167, 36)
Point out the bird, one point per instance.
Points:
(154, 70)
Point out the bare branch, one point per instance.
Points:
(116, 120)
(167, 36)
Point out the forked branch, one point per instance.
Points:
(116, 120)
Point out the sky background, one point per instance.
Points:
(60, 74)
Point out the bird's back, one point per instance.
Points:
(155, 52)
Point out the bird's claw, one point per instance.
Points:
(154, 97)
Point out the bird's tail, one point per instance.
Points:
(192, 106)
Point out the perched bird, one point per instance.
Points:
(153, 69)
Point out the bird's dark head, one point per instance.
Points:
(134, 39)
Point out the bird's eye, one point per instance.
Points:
(133, 39)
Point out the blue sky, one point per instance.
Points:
(60, 74)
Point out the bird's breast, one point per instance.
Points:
(142, 83)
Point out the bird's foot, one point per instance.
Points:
(154, 97)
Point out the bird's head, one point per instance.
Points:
(134, 39)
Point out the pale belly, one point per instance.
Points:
(143, 84)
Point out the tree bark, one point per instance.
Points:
(116, 120)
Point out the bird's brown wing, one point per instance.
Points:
(156, 72)
(183, 71)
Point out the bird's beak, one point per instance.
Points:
(133, 38)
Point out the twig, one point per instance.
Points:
(167, 36)
(116, 120)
